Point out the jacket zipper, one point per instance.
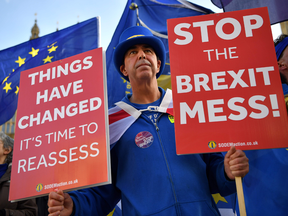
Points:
(166, 161)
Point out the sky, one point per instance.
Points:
(17, 17)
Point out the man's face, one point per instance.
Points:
(140, 63)
(283, 66)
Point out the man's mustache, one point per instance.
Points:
(142, 62)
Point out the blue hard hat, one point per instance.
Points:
(138, 35)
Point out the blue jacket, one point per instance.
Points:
(151, 179)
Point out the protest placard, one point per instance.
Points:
(61, 137)
(226, 83)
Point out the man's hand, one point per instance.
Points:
(60, 203)
(236, 163)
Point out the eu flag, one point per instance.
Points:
(70, 41)
(226, 205)
(277, 8)
(153, 15)
(265, 187)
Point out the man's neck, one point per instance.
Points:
(145, 94)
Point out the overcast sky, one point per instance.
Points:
(18, 17)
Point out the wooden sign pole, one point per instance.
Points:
(240, 195)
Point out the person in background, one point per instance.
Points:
(281, 44)
(147, 174)
(21, 208)
(42, 205)
(265, 186)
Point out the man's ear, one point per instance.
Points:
(158, 65)
(123, 70)
(282, 65)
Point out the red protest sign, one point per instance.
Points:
(226, 84)
(61, 133)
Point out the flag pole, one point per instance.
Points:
(240, 196)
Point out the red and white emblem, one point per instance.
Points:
(144, 139)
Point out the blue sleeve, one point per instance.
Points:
(99, 200)
(216, 175)
(95, 201)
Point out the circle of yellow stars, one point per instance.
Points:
(21, 61)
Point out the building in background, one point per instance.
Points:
(35, 31)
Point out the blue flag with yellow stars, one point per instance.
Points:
(61, 44)
(153, 15)
(226, 205)
(265, 187)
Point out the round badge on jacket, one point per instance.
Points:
(144, 139)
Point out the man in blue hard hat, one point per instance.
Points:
(147, 175)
